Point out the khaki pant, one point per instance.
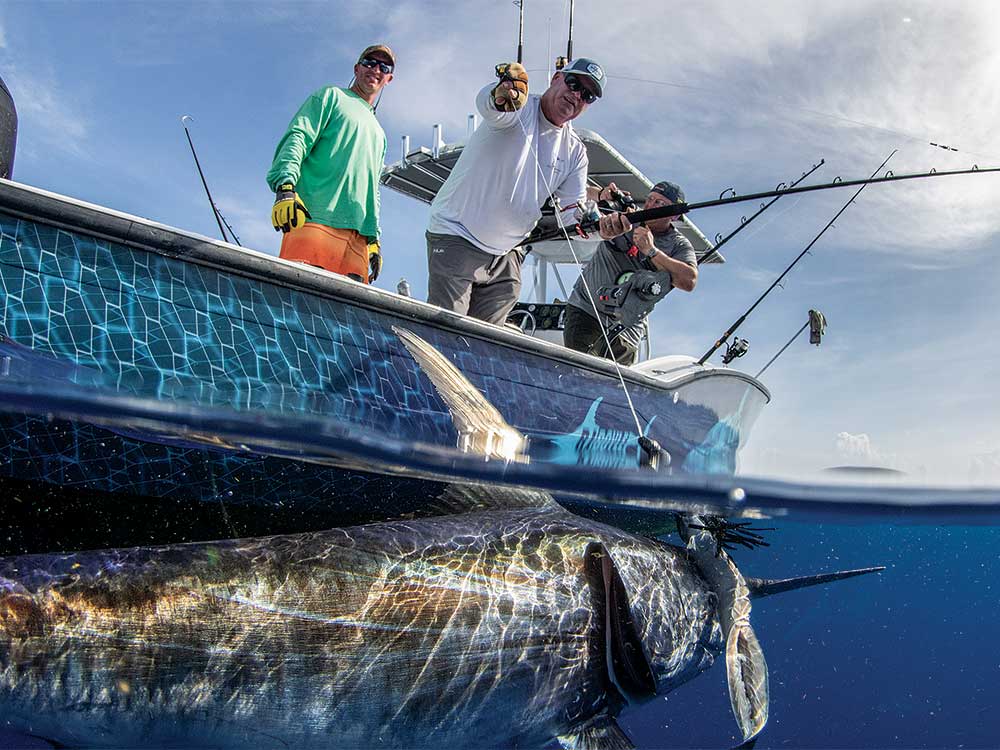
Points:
(583, 333)
(342, 251)
(464, 279)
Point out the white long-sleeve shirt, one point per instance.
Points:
(494, 195)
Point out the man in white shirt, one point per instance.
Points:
(524, 152)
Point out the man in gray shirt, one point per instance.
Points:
(657, 246)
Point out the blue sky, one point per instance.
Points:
(709, 95)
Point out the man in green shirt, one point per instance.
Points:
(325, 174)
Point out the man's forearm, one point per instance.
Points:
(682, 276)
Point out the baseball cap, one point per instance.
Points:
(584, 66)
(378, 48)
(669, 190)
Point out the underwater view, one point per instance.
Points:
(418, 609)
(523, 375)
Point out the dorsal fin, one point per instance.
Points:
(472, 498)
(761, 587)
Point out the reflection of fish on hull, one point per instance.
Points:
(505, 625)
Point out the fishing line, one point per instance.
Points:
(928, 140)
(576, 259)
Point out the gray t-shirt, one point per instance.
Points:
(609, 263)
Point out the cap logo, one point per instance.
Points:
(595, 70)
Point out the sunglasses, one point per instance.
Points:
(371, 62)
(573, 83)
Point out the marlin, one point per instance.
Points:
(506, 622)
(496, 619)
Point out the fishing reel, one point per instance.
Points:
(619, 201)
(735, 349)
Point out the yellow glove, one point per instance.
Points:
(513, 95)
(374, 261)
(288, 212)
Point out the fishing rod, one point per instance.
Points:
(520, 30)
(219, 218)
(569, 39)
(746, 222)
(562, 62)
(621, 200)
(732, 329)
(676, 209)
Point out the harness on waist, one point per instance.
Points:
(629, 301)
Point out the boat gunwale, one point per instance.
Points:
(35, 204)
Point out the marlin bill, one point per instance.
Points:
(505, 622)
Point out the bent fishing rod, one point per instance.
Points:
(219, 218)
(676, 209)
(732, 329)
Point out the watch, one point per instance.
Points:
(653, 252)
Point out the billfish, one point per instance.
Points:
(506, 622)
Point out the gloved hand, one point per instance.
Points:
(374, 261)
(512, 91)
(288, 212)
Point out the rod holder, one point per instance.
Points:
(405, 147)
(473, 124)
(437, 143)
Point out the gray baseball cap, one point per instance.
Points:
(669, 190)
(584, 66)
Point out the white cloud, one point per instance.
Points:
(858, 449)
(985, 468)
(45, 107)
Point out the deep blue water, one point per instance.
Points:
(907, 658)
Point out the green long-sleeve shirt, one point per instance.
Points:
(333, 153)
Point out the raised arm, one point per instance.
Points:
(498, 104)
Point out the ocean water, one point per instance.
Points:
(905, 658)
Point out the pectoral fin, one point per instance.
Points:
(747, 674)
(602, 733)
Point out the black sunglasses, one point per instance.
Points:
(371, 62)
(573, 83)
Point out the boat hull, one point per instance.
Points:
(97, 299)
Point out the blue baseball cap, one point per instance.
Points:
(584, 66)
(669, 190)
